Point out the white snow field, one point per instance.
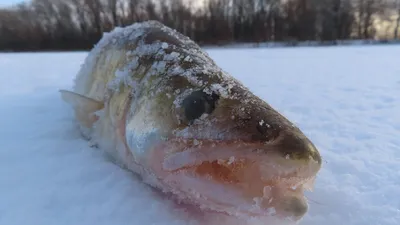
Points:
(346, 99)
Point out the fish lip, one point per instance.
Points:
(179, 155)
(182, 161)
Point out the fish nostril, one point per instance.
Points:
(266, 132)
(262, 128)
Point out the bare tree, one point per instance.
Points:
(78, 24)
(397, 26)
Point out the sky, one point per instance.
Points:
(4, 3)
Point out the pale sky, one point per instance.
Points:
(4, 3)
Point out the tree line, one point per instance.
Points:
(78, 24)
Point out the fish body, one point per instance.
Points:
(160, 106)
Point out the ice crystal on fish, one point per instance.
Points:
(164, 45)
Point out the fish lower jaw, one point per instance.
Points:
(232, 179)
(279, 197)
(281, 201)
(283, 198)
(226, 200)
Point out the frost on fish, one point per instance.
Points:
(120, 55)
(189, 128)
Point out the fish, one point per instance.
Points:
(160, 106)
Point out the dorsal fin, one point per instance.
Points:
(84, 107)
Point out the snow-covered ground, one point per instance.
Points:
(346, 99)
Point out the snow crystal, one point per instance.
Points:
(173, 56)
(188, 59)
(223, 92)
(159, 66)
(164, 45)
(231, 160)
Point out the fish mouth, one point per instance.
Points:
(238, 178)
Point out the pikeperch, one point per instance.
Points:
(160, 106)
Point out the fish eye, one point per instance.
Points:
(199, 103)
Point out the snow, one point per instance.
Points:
(346, 99)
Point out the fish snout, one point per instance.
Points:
(296, 146)
(287, 140)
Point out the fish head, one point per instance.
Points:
(217, 145)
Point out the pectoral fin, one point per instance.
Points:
(84, 107)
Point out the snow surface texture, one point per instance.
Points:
(346, 99)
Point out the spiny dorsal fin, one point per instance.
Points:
(84, 107)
